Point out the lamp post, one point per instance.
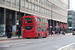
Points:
(19, 9)
(50, 21)
(19, 30)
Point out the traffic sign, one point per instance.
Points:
(57, 26)
(17, 22)
(72, 27)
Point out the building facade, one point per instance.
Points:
(54, 10)
(71, 18)
(69, 4)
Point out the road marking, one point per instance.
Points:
(20, 44)
(4, 41)
(65, 46)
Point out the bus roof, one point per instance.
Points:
(35, 16)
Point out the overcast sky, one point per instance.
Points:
(73, 4)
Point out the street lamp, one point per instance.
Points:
(19, 30)
(19, 9)
(50, 20)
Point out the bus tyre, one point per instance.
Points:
(38, 35)
(45, 36)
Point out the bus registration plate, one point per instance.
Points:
(28, 36)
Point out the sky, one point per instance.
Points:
(73, 4)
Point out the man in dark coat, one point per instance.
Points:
(19, 32)
(9, 34)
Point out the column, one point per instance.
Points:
(53, 25)
(14, 27)
(14, 17)
(3, 21)
(49, 25)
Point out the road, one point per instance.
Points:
(56, 42)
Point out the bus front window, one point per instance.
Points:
(28, 27)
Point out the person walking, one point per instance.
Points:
(19, 32)
(51, 33)
(9, 34)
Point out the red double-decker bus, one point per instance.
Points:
(33, 26)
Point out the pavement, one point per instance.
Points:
(16, 37)
(12, 38)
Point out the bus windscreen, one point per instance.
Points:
(28, 27)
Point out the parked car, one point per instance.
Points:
(73, 33)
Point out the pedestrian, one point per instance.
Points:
(9, 34)
(19, 32)
(61, 32)
(53, 32)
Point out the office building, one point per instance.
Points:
(54, 10)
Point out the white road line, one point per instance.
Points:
(65, 46)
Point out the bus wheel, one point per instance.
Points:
(38, 35)
(45, 36)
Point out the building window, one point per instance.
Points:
(8, 0)
(36, 0)
(36, 8)
(13, 3)
(69, 25)
(40, 9)
(22, 4)
(70, 20)
(43, 10)
(18, 2)
(30, 5)
(33, 7)
(70, 16)
(26, 4)
(33, 0)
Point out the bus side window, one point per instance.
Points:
(47, 29)
(42, 29)
(35, 18)
(44, 20)
(41, 20)
(38, 19)
(38, 29)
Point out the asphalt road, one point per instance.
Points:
(50, 43)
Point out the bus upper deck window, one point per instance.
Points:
(28, 18)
